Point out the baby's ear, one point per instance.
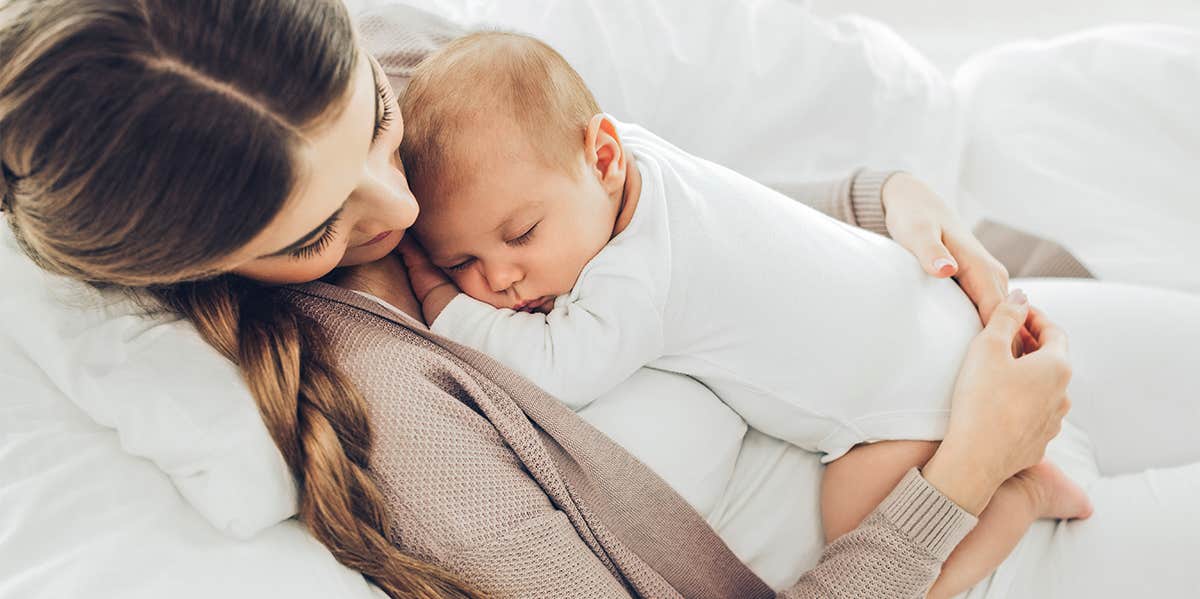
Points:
(604, 153)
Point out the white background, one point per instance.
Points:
(948, 31)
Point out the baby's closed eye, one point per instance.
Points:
(460, 266)
(525, 237)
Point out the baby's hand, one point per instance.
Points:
(431, 286)
(423, 274)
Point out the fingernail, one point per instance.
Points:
(1017, 296)
(941, 263)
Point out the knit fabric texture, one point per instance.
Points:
(492, 478)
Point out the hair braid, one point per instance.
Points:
(318, 421)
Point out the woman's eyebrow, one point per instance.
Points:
(311, 235)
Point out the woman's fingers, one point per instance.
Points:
(1047, 334)
(1008, 319)
(933, 255)
(981, 277)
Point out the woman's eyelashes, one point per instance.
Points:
(385, 119)
(316, 247)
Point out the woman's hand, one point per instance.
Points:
(921, 222)
(1005, 409)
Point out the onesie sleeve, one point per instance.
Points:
(856, 199)
(597, 336)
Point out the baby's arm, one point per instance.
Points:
(610, 326)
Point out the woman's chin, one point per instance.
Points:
(370, 253)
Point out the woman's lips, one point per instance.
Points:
(378, 238)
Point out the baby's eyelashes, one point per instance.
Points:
(524, 238)
(459, 267)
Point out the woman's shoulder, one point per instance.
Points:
(421, 405)
(352, 322)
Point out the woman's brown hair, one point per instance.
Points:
(141, 142)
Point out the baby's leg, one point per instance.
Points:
(855, 484)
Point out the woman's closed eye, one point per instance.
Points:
(387, 114)
(387, 111)
(316, 247)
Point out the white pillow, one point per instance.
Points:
(170, 397)
(80, 517)
(1092, 140)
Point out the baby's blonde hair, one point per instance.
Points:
(481, 77)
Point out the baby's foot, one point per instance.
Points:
(1055, 495)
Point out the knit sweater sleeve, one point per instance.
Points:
(856, 199)
(896, 553)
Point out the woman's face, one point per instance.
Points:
(351, 203)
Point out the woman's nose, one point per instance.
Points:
(387, 201)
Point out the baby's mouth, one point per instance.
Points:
(535, 304)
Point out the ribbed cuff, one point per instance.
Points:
(866, 200)
(926, 516)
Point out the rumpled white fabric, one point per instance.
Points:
(1092, 140)
(764, 87)
(166, 393)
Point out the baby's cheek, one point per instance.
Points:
(474, 285)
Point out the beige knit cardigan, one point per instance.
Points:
(490, 477)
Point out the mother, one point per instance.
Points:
(201, 152)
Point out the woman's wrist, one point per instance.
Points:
(866, 200)
(963, 480)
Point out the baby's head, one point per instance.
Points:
(518, 174)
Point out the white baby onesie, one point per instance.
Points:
(814, 331)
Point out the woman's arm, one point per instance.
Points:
(1005, 410)
(897, 551)
(856, 199)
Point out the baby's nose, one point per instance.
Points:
(501, 278)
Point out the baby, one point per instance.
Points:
(577, 249)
